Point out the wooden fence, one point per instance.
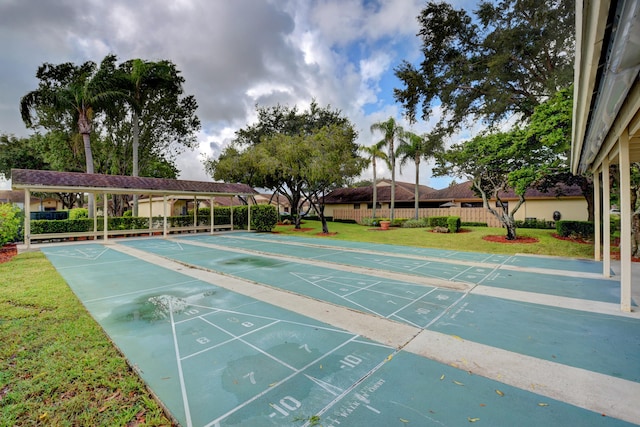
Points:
(465, 214)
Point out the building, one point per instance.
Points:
(606, 115)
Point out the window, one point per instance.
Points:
(356, 206)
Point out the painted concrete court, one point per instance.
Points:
(254, 329)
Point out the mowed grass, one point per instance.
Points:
(57, 365)
(471, 239)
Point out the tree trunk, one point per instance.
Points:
(85, 130)
(136, 143)
(375, 190)
(417, 188)
(325, 227)
(393, 181)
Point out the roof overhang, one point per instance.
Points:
(74, 182)
(606, 88)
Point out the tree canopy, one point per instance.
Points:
(299, 154)
(99, 116)
(504, 61)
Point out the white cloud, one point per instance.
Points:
(232, 54)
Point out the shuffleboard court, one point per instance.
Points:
(563, 283)
(417, 305)
(218, 358)
(539, 328)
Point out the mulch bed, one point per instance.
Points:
(503, 239)
(7, 252)
(572, 239)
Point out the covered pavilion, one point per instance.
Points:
(97, 184)
(606, 116)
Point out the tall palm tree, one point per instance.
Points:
(417, 147)
(374, 152)
(77, 91)
(142, 79)
(392, 132)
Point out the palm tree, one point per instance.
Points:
(142, 79)
(417, 147)
(77, 91)
(374, 152)
(392, 132)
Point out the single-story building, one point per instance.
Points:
(457, 199)
(37, 204)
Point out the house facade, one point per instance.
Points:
(458, 200)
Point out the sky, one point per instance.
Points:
(233, 55)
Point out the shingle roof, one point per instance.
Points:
(75, 181)
(404, 193)
(457, 192)
(464, 191)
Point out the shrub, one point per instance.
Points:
(437, 221)
(453, 224)
(373, 222)
(415, 223)
(581, 229)
(397, 222)
(474, 224)
(78, 213)
(9, 223)
(127, 213)
(263, 217)
(536, 223)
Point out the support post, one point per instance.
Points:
(150, 214)
(625, 222)
(248, 213)
(105, 217)
(597, 220)
(211, 215)
(606, 218)
(165, 231)
(27, 218)
(195, 214)
(94, 207)
(231, 208)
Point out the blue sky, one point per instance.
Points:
(233, 55)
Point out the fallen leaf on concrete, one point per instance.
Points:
(499, 393)
(457, 382)
(473, 420)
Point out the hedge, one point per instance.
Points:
(437, 221)
(581, 229)
(453, 224)
(263, 218)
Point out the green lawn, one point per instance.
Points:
(59, 368)
(468, 240)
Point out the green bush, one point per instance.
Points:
(127, 213)
(536, 223)
(437, 221)
(397, 222)
(9, 223)
(415, 223)
(373, 222)
(453, 224)
(78, 213)
(263, 217)
(581, 229)
(474, 224)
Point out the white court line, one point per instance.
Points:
(93, 264)
(233, 337)
(140, 291)
(274, 386)
(366, 309)
(412, 302)
(183, 388)
(352, 387)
